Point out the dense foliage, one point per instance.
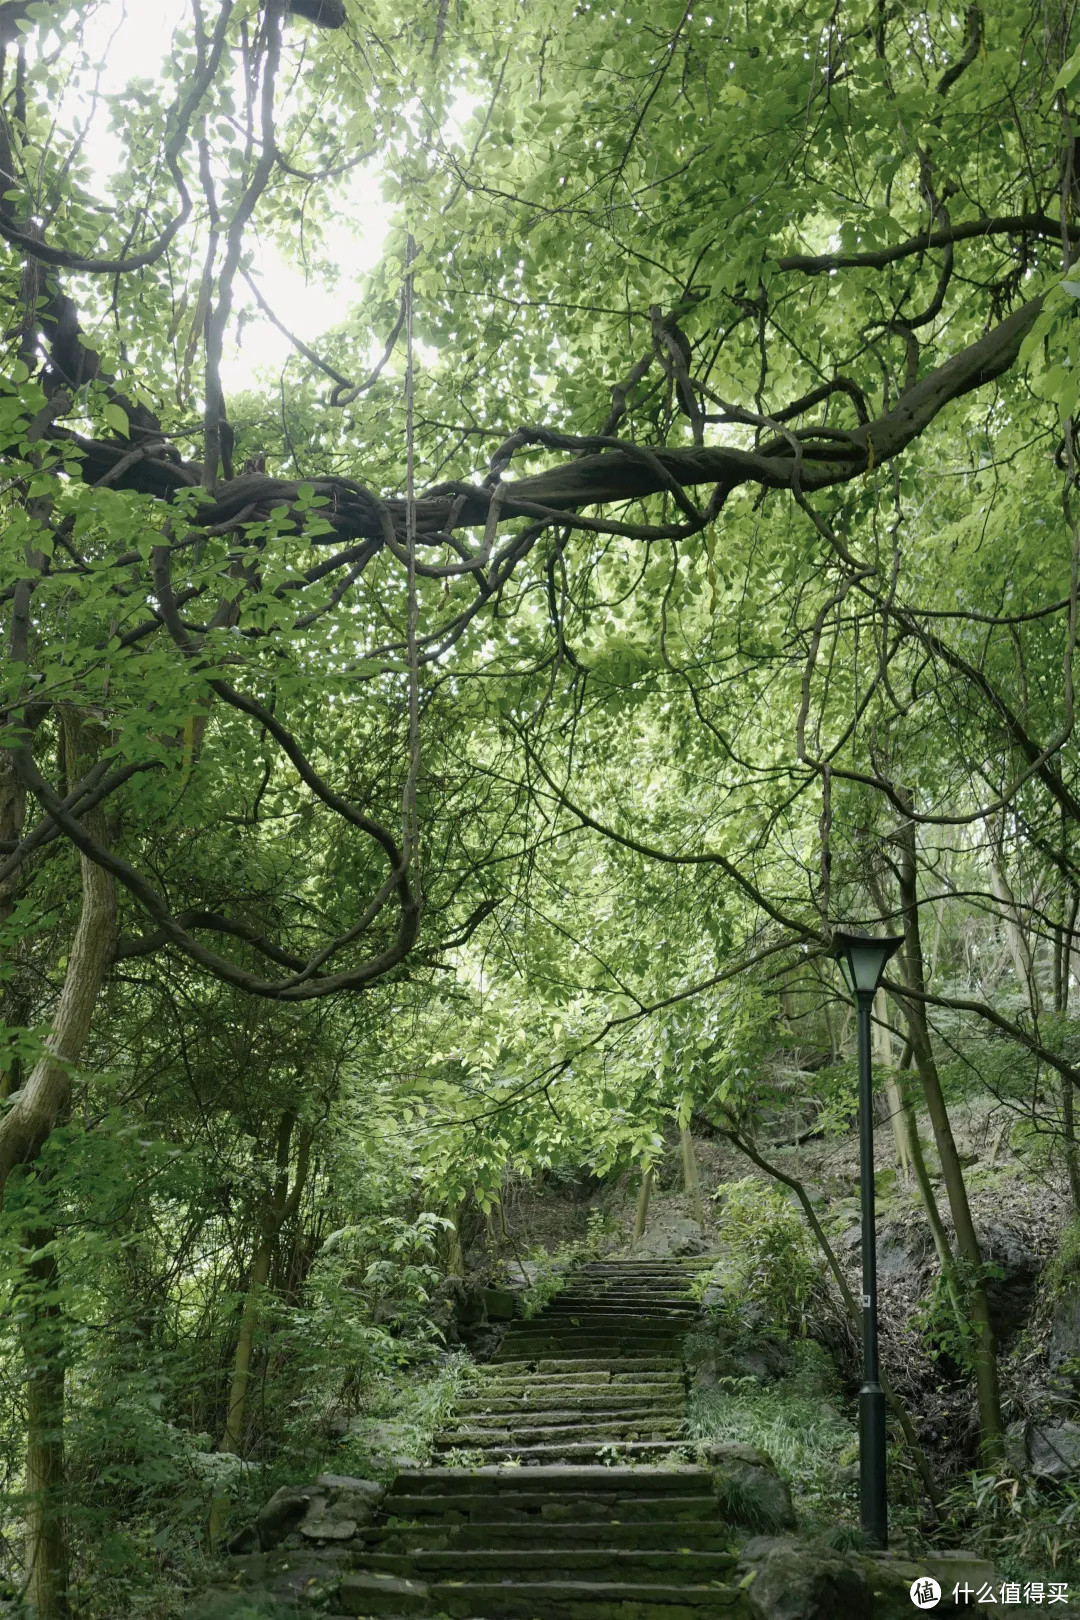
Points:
(445, 760)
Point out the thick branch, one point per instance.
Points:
(594, 476)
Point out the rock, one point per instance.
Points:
(386, 1441)
(471, 1308)
(891, 1576)
(669, 1237)
(793, 1580)
(1053, 1451)
(500, 1304)
(1064, 1341)
(327, 1527)
(902, 1253)
(244, 1541)
(749, 1489)
(379, 1594)
(956, 1566)
(368, 1488)
(522, 1273)
(274, 1521)
(1011, 1296)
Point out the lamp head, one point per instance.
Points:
(862, 958)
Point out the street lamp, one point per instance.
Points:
(862, 960)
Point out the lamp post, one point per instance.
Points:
(863, 960)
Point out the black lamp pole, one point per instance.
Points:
(863, 960)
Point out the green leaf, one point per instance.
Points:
(117, 419)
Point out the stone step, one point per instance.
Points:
(702, 1535)
(580, 1452)
(614, 1400)
(686, 1479)
(575, 1395)
(376, 1595)
(599, 1315)
(641, 1268)
(530, 1434)
(633, 1330)
(563, 1417)
(621, 1366)
(570, 1344)
(582, 1380)
(502, 1415)
(578, 1322)
(586, 1315)
(656, 1385)
(578, 1563)
(615, 1288)
(549, 1511)
(651, 1298)
(614, 1349)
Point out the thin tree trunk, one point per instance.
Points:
(896, 1405)
(40, 1103)
(1062, 957)
(899, 1112)
(1015, 932)
(42, 1346)
(43, 1097)
(283, 1205)
(985, 1350)
(641, 1218)
(691, 1179)
(455, 1263)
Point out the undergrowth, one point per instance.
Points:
(793, 1420)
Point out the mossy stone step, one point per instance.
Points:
(505, 1358)
(646, 1532)
(574, 1397)
(608, 1300)
(681, 1479)
(524, 1435)
(591, 1346)
(540, 1600)
(580, 1322)
(582, 1563)
(581, 1453)
(555, 1409)
(543, 1507)
(584, 1380)
(525, 1405)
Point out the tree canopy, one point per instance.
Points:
(667, 553)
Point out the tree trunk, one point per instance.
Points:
(43, 1098)
(283, 1205)
(1062, 957)
(985, 1351)
(641, 1218)
(40, 1102)
(899, 1111)
(455, 1261)
(42, 1347)
(1015, 933)
(691, 1179)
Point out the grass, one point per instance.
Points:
(796, 1420)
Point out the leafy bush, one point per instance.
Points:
(771, 1260)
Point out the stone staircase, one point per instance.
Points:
(561, 1493)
